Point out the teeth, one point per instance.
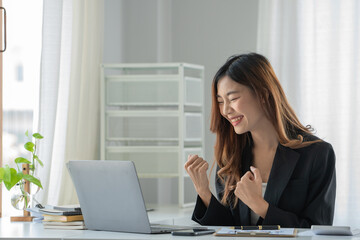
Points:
(236, 119)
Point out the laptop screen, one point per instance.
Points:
(110, 195)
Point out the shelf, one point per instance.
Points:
(142, 149)
(149, 162)
(193, 90)
(192, 107)
(143, 78)
(153, 114)
(144, 139)
(145, 104)
(148, 113)
(153, 126)
(193, 79)
(134, 113)
(187, 107)
(155, 66)
(157, 175)
(187, 142)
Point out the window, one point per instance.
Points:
(21, 73)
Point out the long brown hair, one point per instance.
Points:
(254, 71)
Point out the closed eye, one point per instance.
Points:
(234, 99)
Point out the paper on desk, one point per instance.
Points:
(237, 232)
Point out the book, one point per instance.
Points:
(62, 218)
(71, 227)
(233, 232)
(65, 208)
(58, 212)
(65, 225)
(74, 223)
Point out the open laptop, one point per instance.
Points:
(110, 197)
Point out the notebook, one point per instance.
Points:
(110, 197)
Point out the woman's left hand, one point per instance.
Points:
(249, 191)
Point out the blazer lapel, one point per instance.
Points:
(244, 210)
(283, 166)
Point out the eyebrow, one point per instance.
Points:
(229, 93)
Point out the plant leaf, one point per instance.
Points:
(7, 174)
(38, 160)
(1, 174)
(37, 136)
(27, 133)
(32, 179)
(11, 177)
(22, 160)
(29, 146)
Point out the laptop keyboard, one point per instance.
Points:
(163, 227)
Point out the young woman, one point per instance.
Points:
(271, 170)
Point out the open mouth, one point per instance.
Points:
(235, 121)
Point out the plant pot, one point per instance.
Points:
(20, 199)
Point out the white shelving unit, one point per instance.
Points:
(153, 114)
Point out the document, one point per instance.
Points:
(231, 231)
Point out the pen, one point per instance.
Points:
(265, 227)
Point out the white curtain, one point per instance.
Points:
(314, 48)
(69, 92)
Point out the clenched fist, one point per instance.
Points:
(197, 168)
(249, 191)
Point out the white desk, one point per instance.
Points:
(28, 230)
(165, 215)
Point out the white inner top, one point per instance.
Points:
(253, 216)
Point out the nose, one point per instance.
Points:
(226, 108)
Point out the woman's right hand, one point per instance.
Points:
(197, 167)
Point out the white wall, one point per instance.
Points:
(203, 32)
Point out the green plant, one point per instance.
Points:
(11, 176)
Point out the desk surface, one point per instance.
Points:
(164, 215)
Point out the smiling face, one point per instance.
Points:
(239, 105)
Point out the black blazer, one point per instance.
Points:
(300, 191)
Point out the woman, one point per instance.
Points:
(271, 170)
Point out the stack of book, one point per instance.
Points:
(56, 217)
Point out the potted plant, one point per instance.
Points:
(16, 177)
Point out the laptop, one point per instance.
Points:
(110, 197)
